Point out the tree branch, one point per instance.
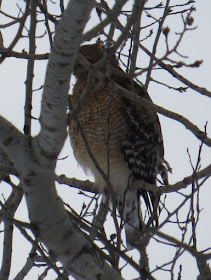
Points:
(166, 67)
(205, 273)
(24, 55)
(19, 32)
(160, 27)
(97, 30)
(6, 213)
(28, 265)
(47, 214)
(30, 70)
(90, 187)
(12, 142)
(7, 251)
(190, 126)
(54, 102)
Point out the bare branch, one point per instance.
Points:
(155, 45)
(85, 244)
(24, 55)
(6, 213)
(12, 142)
(204, 173)
(19, 32)
(28, 265)
(30, 70)
(190, 126)
(90, 187)
(166, 67)
(97, 30)
(7, 251)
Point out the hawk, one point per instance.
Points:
(124, 138)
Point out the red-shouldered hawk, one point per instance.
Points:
(124, 137)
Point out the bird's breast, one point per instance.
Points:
(104, 129)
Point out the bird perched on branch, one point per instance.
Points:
(118, 140)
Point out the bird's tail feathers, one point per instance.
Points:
(129, 208)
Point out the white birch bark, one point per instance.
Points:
(35, 158)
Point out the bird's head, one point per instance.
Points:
(92, 53)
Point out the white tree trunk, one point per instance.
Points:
(35, 158)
